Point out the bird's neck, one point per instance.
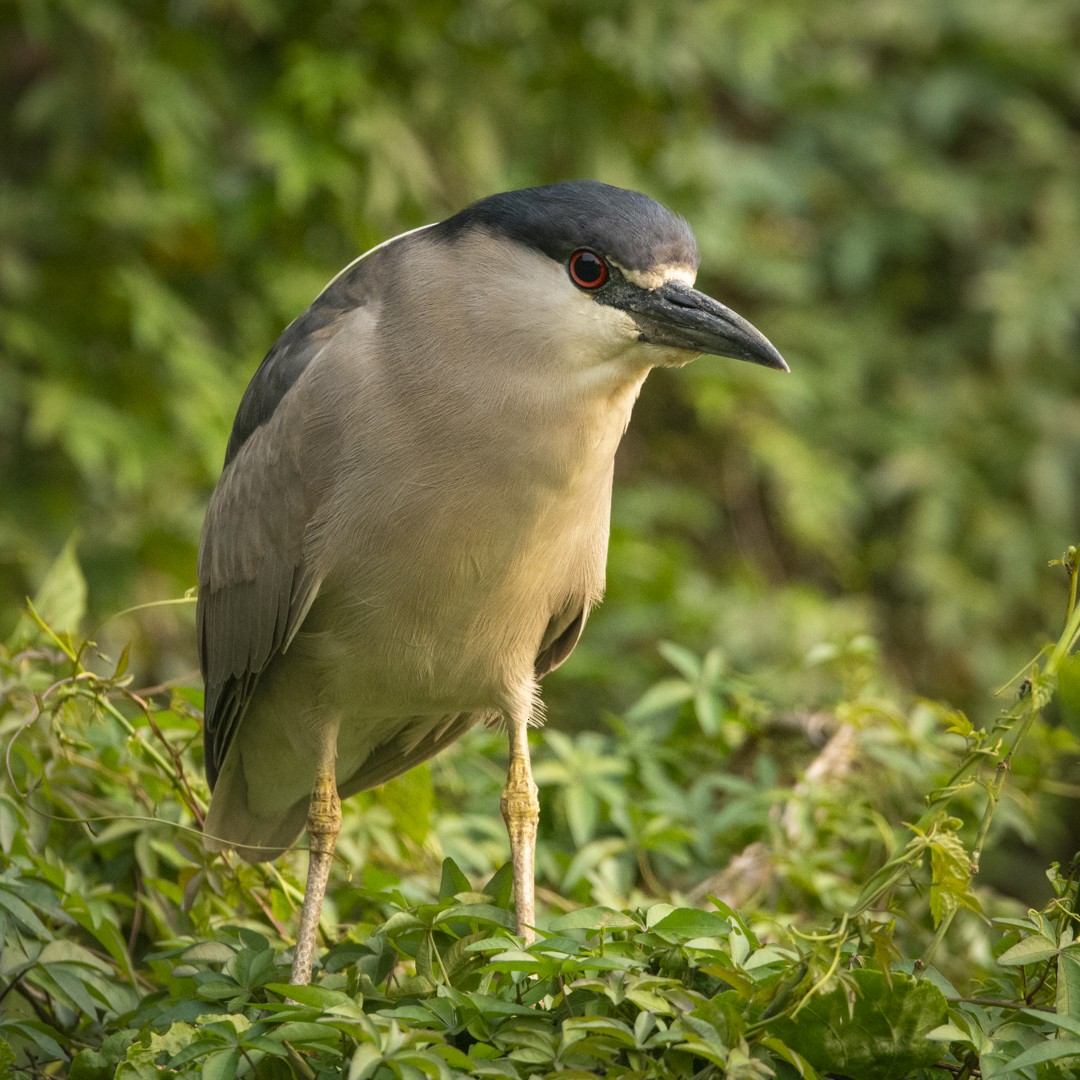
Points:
(509, 410)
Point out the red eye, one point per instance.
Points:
(587, 269)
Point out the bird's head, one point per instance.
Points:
(601, 268)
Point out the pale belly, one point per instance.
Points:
(413, 633)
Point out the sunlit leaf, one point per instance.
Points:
(60, 601)
(1029, 950)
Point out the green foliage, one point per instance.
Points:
(723, 897)
(888, 187)
(878, 1025)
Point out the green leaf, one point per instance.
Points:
(882, 1033)
(208, 952)
(68, 952)
(660, 698)
(365, 1062)
(707, 710)
(483, 912)
(45, 1038)
(949, 1033)
(198, 1047)
(122, 663)
(63, 982)
(302, 1032)
(23, 913)
(106, 932)
(1069, 693)
(686, 923)
(101, 1064)
(453, 880)
(1064, 1023)
(221, 1065)
(582, 812)
(275, 1068)
(410, 798)
(1067, 1000)
(593, 918)
(60, 601)
(1029, 950)
(802, 1067)
(951, 874)
(685, 662)
(318, 997)
(500, 885)
(1062, 1051)
(12, 822)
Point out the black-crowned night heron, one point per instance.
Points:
(412, 521)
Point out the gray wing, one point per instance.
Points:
(256, 583)
(422, 739)
(560, 638)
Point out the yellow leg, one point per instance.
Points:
(323, 826)
(521, 812)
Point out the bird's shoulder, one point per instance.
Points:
(357, 287)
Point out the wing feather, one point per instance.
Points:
(255, 585)
(420, 740)
(561, 636)
(256, 580)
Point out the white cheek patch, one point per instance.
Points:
(659, 275)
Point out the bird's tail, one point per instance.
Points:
(230, 822)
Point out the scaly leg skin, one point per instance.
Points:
(323, 826)
(521, 812)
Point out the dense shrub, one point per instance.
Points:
(727, 889)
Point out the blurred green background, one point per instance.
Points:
(890, 189)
